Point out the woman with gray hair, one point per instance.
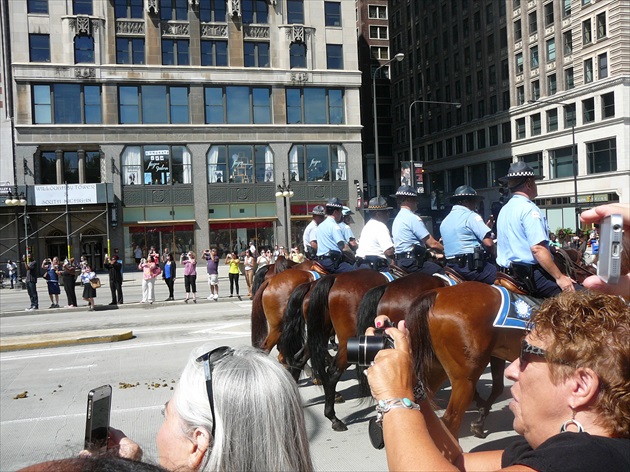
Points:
(239, 408)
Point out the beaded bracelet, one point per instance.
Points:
(383, 406)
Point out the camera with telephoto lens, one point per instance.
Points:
(363, 349)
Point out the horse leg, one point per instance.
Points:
(330, 396)
(497, 368)
(462, 393)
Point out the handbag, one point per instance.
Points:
(46, 275)
(95, 282)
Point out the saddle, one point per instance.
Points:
(397, 272)
(451, 273)
(317, 267)
(510, 283)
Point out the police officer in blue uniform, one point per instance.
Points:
(523, 237)
(467, 240)
(331, 244)
(411, 236)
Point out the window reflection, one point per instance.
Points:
(240, 163)
(317, 162)
(314, 105)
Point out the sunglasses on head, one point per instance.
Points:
(209, 359)
(527, 348)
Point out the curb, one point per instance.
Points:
(15, 343)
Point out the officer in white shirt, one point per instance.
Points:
(375, 243)
(309, 238)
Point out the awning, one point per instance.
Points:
(163, 222)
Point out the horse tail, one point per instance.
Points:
(317, 338)
(293, 338)
(365, 319)
(368, 307)
(259, 277)
(417, 322)
(260, 330)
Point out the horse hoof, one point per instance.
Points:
(339, 425)
(478, 431)
(339, 399)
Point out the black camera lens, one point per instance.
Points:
(363, 349)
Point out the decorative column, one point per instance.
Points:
(59, 166)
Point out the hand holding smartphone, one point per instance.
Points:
(610, 246)
(99, 407)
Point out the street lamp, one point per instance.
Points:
(398, 57)
(573, 154)
(285, 192)
(456, 104)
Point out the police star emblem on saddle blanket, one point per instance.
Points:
(515, 310)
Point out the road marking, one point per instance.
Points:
(75, 415)
(71, 368)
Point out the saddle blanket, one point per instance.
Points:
(316, 275)
(388, 276)
(449, 282)
(515, 310)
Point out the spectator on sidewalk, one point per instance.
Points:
(51, 274)
(233, 261)
(212, 259)
(137, 254)
(189, 261)
(30, 264)
(168, 274)
(12, 270)
(69, 278)
(114, 268)
(148, 268)
(249, 263)
(262, 260)
(89, 292)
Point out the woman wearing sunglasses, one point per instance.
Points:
(233, 410)
(571, 396)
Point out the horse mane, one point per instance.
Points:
(282, 264)
(417, 322)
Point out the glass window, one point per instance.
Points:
(214, 53)
(561, 163)
(254, 11)
(588, 110)
(548, 14)
(533, 23)
(295, 12)
(83, 49)
(601, 25)
(318, 162)
(602, 156)
(238, 104)
(506, 132)
(587, 35)
(332, 12)
(569, 115)
(569, 81)
(39, 47)
(478, 176)
(158, 164)
(48, 168)
(481, 138)
(379, 52)
(602, 65)
(256, 54)
(518, 32)
(535, 89)
(499, 169)
(567, 40)
(175, 52)
(520, 95)
(377, 12)
(470, 141)
(82, 7)
(552, 120)
(552, 84)
(128, 8)
(334, 56)
(533, 54)
(129, 50)
(174, 10)
(314, 105)
(454, 178)
(536, 124)
(213, 11)
(92, 162)
(608, 105)
(37, 6)
(153, 104)
(520, 128)
(67, 104)
(71, 167)
(519, 63)
(378, 32)
(551, 50)
(297, 56)
(567, 8)
(588, 71)
(534, 160)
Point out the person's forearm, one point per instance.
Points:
(543, 256)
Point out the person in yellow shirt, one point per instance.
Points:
(233, 261)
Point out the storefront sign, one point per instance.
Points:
(78, 194)
(156, 165)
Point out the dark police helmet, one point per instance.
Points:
(335, 203)
(465, 192)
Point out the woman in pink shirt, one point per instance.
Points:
(189, 262)
(148, 268)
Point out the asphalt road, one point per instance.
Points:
(49, 422)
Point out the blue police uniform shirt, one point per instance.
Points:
(407, 230)
(328, 236)
(520, 226)
(462, 231)
(347, 231)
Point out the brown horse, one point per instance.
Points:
(269, 305)
(267, 271)
(339, 297)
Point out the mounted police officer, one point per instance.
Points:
(331, 244)
(467, 240)
(376, 244)
(523, 237)
(309, 238)
(346, 221)
(411, 236)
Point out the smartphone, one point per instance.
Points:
(610, 245)
(99, 407)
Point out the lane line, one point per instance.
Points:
(76, 415)
(72, 368)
